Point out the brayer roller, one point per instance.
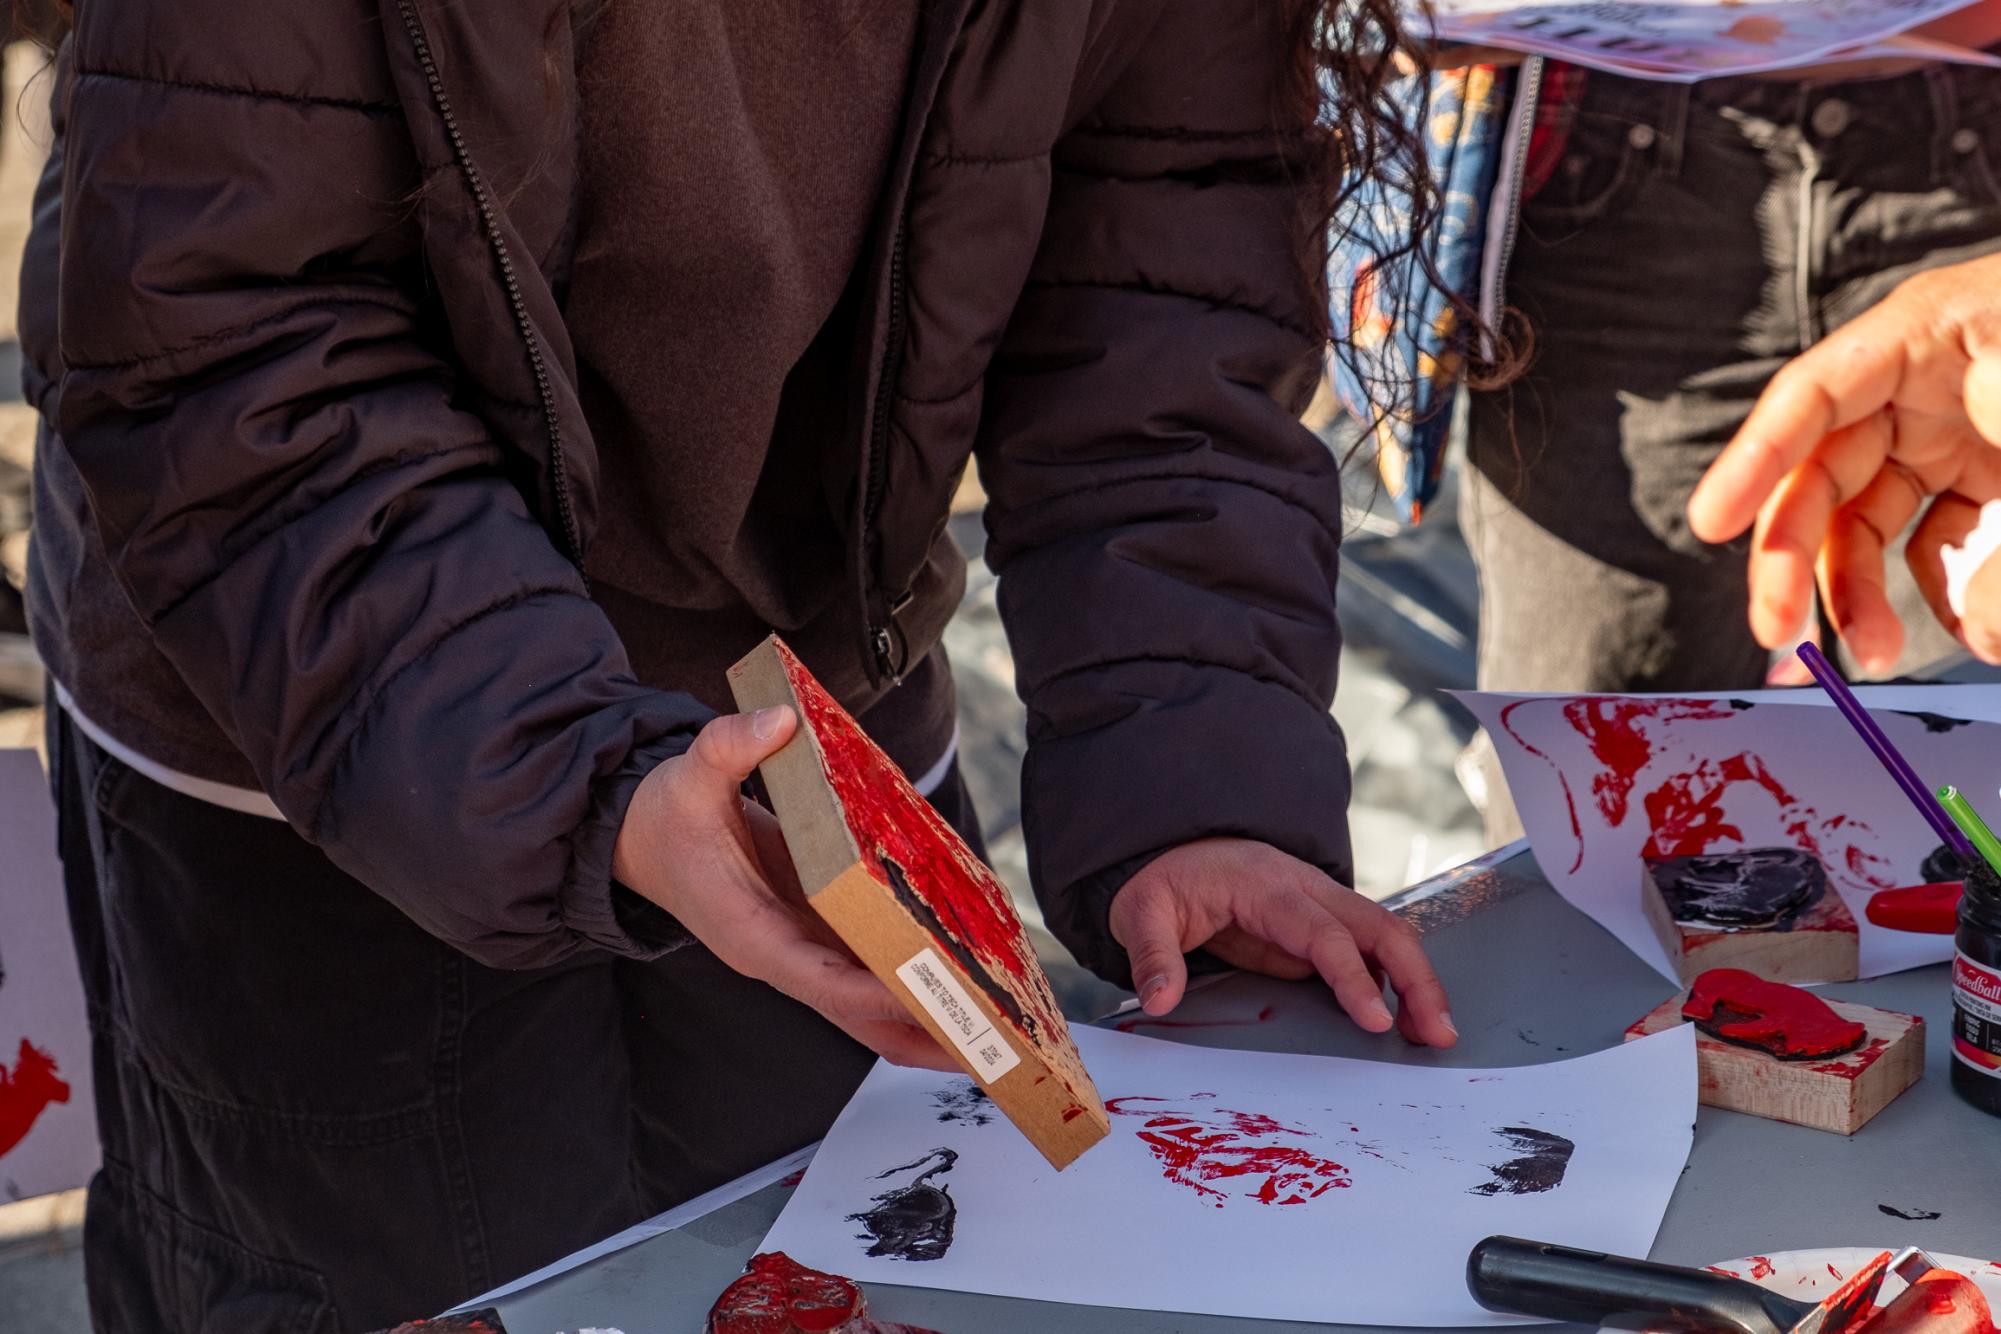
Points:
(1559, 1283)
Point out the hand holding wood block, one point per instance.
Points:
(920, 911)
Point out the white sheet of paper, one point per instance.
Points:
(48, 1130)
(1680, 40)
(1603, 781)
(1259, 1184)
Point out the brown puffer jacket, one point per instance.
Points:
(306, 352)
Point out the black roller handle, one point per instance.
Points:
(1558, 1283)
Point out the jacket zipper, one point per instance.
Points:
(551, 419)
(1494, 282)
(885, 638)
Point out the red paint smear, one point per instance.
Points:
(1832, 1270)
(1569, 802)
(1686, 817)
(1148, 1021)
(1853, 1064)
(1217, 1144)
(1611, 727)
(1072, 1112)
(1786, 1021)
(25, 1092)
(890, 820)
(1762, 1267)
(1931, 910)
(794, 1179)
(778, 1295)
(1940, 1302)
(1685, 814)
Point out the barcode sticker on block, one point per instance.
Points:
(983, 1045)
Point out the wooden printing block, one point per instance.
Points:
(1769, 911)
(1835, 1092)
(903, 891)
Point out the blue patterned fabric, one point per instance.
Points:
(1400, 348)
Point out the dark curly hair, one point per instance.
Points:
(1356, 117)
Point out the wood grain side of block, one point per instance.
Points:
(1823, 946)
(1839, 1094)
(816, 833)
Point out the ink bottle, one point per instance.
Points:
(1976, 992)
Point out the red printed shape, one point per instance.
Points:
(1204, 1146)
(1791, 1023)
(26, 1092)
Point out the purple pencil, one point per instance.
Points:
(1872, 736)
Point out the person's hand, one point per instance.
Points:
(693, 844)
(1257, 908)
(1897, 411)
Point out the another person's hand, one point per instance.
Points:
(1897, 411)
(693, 844)
(1256, 907)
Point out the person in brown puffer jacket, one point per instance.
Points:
(437, 397)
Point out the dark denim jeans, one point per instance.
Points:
(1691, 240)
(318, 1118)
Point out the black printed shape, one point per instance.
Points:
(912, 1222)
(1910, 1215)
(966, 1102)
(1540, 1168)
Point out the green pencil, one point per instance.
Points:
(1970, 824)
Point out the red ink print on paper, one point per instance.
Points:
(26, 1092)
(1569, 802)
(1201, 1147)
(1612, 728)
(1686, 817)
(1788, 1022)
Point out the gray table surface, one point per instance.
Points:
(1532, 980)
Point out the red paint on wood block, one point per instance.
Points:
(970, 914)
(1791, 1023)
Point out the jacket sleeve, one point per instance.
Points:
(1165, 532)
(324, 545)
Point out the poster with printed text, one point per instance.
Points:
(1692, 39)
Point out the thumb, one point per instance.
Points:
(730, 747)
(1982, 395)
(1150, 929)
